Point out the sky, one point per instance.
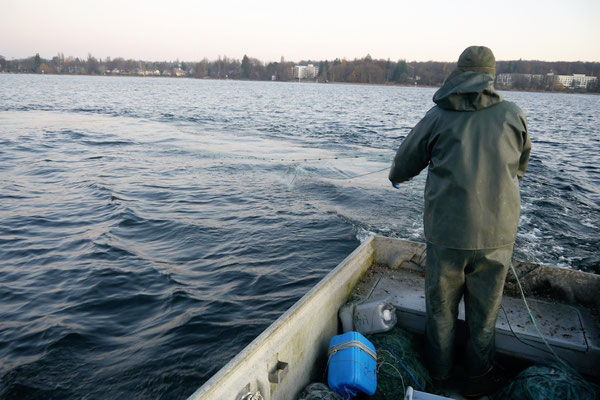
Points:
(417, 30)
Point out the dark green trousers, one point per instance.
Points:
(479, 276)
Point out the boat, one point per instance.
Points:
(292, 352)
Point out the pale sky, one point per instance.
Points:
(300, 30)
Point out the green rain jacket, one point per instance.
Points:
(477, 148)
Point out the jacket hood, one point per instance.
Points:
(477, 59)
(467, 91)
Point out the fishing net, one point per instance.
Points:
(550, 382)
(319, 391)
(399, 364)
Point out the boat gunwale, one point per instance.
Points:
(253, 347)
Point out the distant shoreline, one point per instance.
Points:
(525, 75)
(387, 84)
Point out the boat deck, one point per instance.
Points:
(571, 331)
(292, 352)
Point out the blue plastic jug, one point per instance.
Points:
(352, 365)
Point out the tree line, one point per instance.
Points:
(359, 70)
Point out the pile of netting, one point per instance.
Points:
(550, 382)
(399, 364)
(319, 391)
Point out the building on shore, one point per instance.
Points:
(305, 71)
(178, 72)
(504, 80)
(549, 81)
(576, 81)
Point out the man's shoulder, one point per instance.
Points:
(434, 112)
(510, 107)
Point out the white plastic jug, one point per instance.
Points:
(374, 316)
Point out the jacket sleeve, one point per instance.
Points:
(413, 155)
(524, 159)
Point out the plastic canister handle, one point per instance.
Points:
(387, 315)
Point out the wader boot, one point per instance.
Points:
(479, 276)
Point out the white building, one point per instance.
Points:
(582, 81)
(565, 80)
(306, 71)
(504, 80)
(576, 80)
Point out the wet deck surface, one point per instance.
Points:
(561, 325)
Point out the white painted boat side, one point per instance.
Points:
(299, 337)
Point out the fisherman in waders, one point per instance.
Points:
(476, 148)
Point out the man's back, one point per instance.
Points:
(476, 147)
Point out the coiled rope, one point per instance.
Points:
(352, 344)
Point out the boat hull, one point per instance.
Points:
(292, 352)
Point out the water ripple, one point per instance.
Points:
(150, 231)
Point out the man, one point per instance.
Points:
(476, 148)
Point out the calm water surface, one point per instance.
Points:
(151, 228)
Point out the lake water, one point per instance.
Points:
(151, 228)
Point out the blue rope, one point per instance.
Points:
(361, 330)
(404, 366)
